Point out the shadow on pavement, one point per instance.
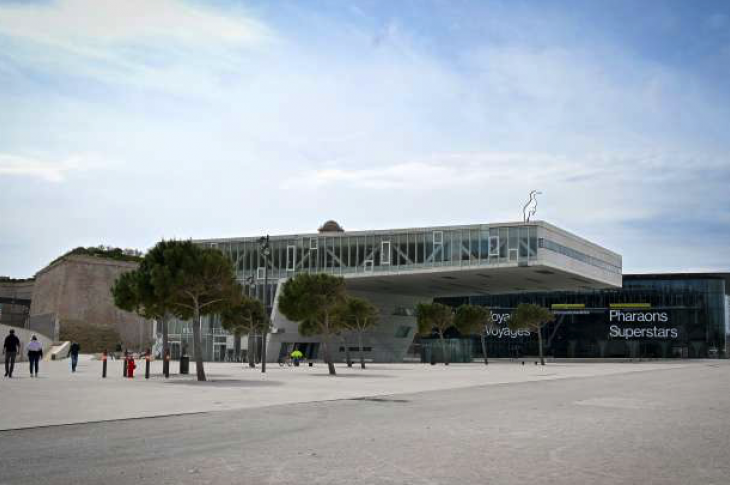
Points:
(354, 376)
(226, 383)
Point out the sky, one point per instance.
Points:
(123, 122)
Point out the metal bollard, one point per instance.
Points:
(166, 365)
(103, 365)
(147, 365)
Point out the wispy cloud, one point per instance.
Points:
(87, 28)
(50, 171)
(134, 42)
(609, 187)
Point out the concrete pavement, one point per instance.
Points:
(58, 397)
(667, 424)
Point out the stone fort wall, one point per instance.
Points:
(77, 291)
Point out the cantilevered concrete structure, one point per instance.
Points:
(398, 268)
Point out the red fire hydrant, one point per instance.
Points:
(130, 367)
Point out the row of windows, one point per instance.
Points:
(384, 252)
(592, 299)
(577, 255)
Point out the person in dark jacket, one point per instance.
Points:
(74, 354)
(10, 349)
(35, 352)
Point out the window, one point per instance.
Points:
(402, 331)
(291, 258)
(313, 243)
(438, 237)
(385, 252)
(494, 246)
(369, 266)
(260, 273)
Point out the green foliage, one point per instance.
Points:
(312, 300)
(105, 252)
(199, 280)
(356, 314)
(472, 319)
(147, 290)
(245, 315)
(434, 317)
(195, 281)
(182, 278)
(530, 317)
(126, 292)
(311, 328)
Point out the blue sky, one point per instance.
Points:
(123, 122)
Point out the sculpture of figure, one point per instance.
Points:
(531, 207)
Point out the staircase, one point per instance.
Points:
(58, 351)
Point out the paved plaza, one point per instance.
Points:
(59, 397)
(568, 424)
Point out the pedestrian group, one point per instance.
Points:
(34, 349)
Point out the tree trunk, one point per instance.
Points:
(236, 346)
(165, 347)
(197, 347)
(484, 348)
(446, 355)
(359, 345)
(348, 359)
(539, 344)
(256, 356)
(263, 350)
(250, 351)
(265, 331)
(328, 355)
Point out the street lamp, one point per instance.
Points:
(265, 251)
(250, 282)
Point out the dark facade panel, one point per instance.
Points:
(652, 316)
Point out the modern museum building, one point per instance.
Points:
(599, 311)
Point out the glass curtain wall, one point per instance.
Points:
(675, 318)
(349, 253)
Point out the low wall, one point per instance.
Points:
(24, 335)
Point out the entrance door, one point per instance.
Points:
(219, 352)
(175, 350)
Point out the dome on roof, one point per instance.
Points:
(331, 226)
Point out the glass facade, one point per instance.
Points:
(345, 253)
(652, 316)
(214, 339)
(363, 253)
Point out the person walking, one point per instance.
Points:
(74, 354)
(10, 349)
(35, 352)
